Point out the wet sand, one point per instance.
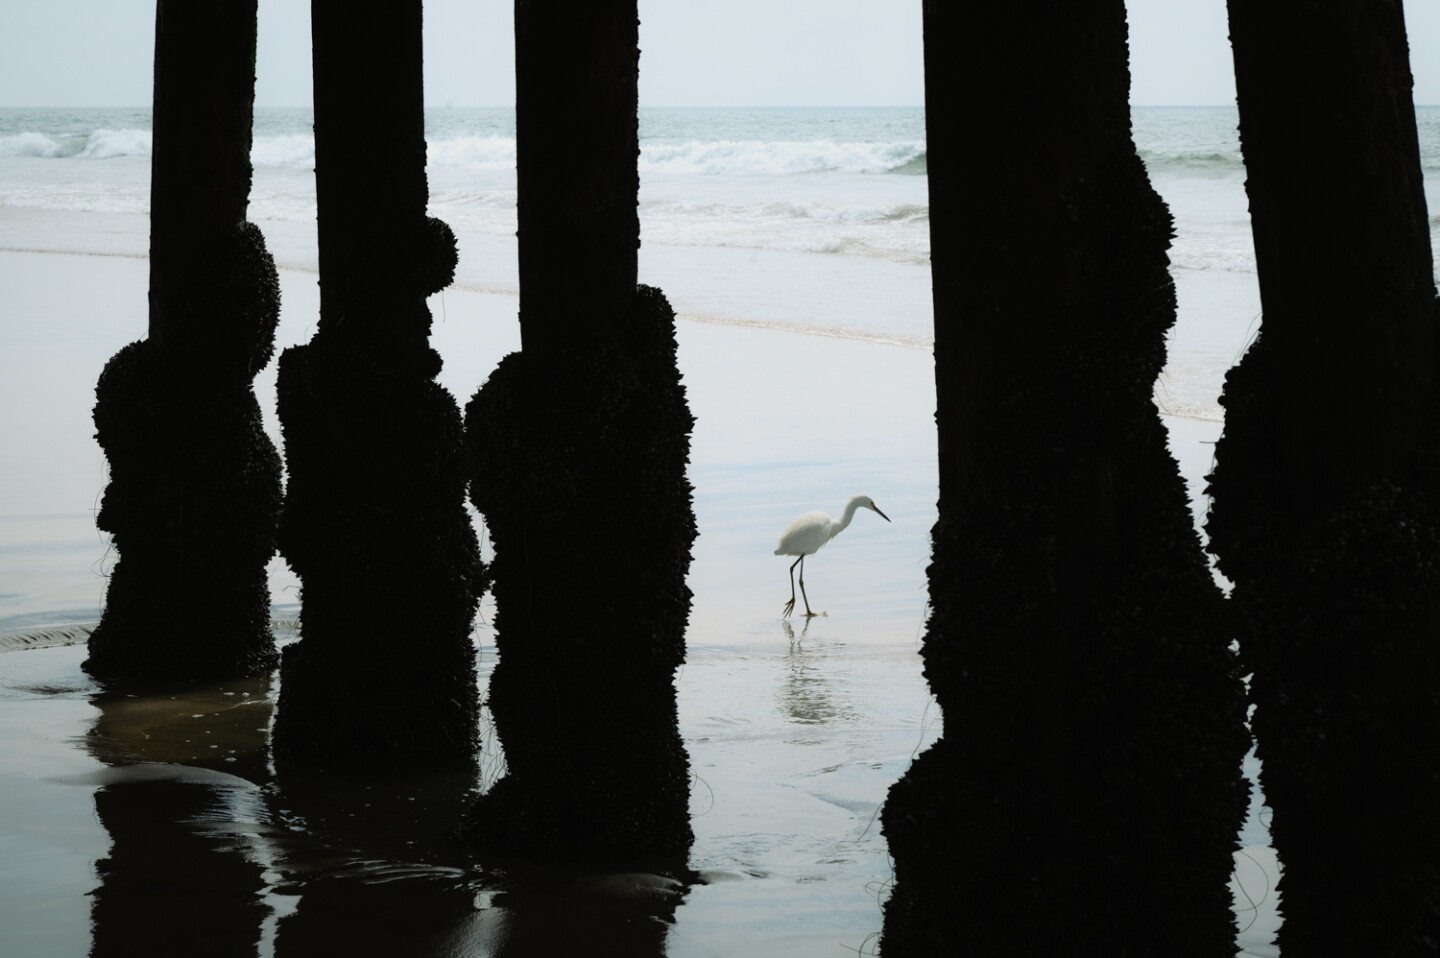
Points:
(118, 809)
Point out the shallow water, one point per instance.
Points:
(132, 798)
(113, 803)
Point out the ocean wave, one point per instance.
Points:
(99, 145)
(900, 213)
(731, 157)
(107, 144)
(885, 338)
(40, 145)
(1201, 411)
(458, 152)
(1214, 162)
(1225, 259)
(856, 246)
(490, 152)
(472, 152)
(914, 167)
(836, 246)
(293, 149)
(723, 157)
(898, 232)
(906, 213)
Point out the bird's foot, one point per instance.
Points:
(789, 607)
(812, 615)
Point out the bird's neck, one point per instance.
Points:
(850, 508)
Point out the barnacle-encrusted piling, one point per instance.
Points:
(194, 492)
(1326, 511)
(375, 522)
(580, 472)
(581, 441)
(1087, 792)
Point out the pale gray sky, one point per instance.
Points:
(696, 52)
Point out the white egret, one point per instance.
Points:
(808, 533)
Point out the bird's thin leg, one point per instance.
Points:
(790, 606)
(808, 613)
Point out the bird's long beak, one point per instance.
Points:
(877, 509)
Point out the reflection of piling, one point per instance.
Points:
(377, 872)
(543, 910)
(580, 443)
(382, 915)
(195, 482)
(209, 849)
(374, 523)
(583, 488)
(180, 876)
(1088, 784)
(167, 887)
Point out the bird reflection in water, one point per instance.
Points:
(807, 697)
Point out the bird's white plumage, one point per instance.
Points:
(807, 534)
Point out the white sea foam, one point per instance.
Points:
(897, 232)
(106, 144)
(728, 157)
(292, 149)
(904, 340)
(99, 145)
(1203, 410)
(708, 157)
(35, 144)
(1236, 258)
(472, 152)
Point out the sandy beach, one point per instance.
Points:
(795, 729)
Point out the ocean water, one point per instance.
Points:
(813, 220)
(840, 181)
(836, 180)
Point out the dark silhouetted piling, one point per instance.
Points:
(375, 524)
(194, 493)
(1086, 796)
(1326, 491)
(581, 442)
